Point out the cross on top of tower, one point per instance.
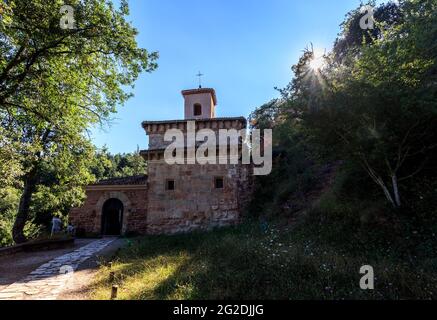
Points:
(200, 79)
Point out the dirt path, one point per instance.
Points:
(56, 274)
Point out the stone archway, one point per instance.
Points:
(127, 208)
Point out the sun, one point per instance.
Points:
(318, 61)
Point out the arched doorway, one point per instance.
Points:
(112, 217)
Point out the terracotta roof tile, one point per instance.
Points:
(242, 119)
(134, 180)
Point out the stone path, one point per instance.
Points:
(48, 281)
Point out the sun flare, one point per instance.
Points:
(318, 60)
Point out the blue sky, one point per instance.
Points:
(244, 48)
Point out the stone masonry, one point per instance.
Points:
(88, 218)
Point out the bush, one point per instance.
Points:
(6, 224)
(9, 198)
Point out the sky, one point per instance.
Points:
(244, 48)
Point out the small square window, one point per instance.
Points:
(169, 185)
(197, 109)
(218, 183)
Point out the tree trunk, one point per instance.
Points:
(387, 194)
(380, 182)
(23, 208)
(397, 196)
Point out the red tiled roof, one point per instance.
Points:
(151, 150)
(201, 90)
(124, 181)
(242, 119)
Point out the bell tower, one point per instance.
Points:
(199, 103)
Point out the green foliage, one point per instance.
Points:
(60, 188)
(377, 107)
(10, 168)
(267, 116)
(54, 84)
(294, 164)
(352, 37)
(107, 165)
(9, 198)
(87, 67)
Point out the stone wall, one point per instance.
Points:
(88, 218)
(157, 129)
(195, 203)
(245, 187)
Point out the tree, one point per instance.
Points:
(266, 116)
(55, 83)
(10, 168)
(37, 55)
(292, 157)
(352, 37)
(379, 109)
(107, 165)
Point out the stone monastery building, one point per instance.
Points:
(172, 198)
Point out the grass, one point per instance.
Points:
(250, 262)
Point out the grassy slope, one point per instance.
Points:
(315, 261)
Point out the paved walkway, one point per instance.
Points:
(50, 279)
